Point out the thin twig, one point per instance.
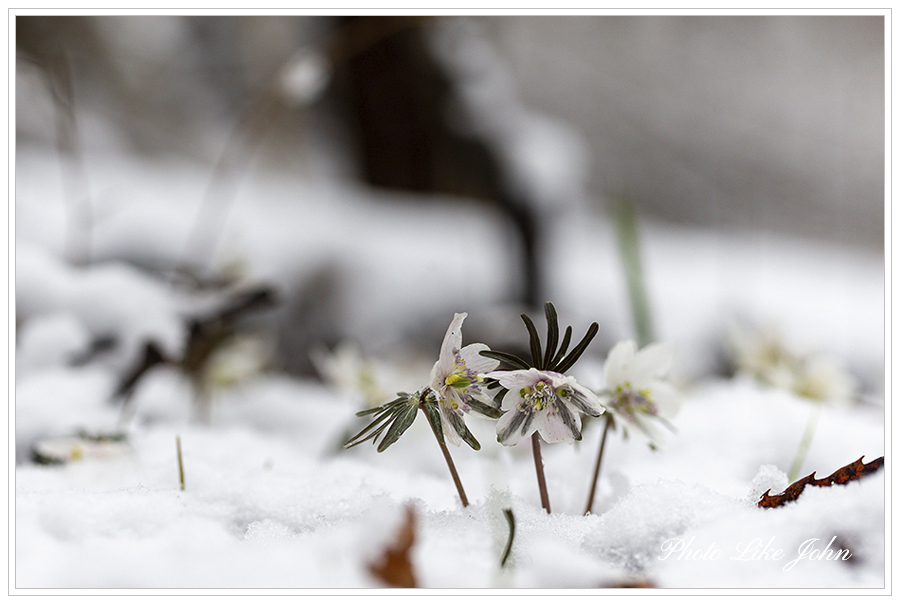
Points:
(539, 469)
(590, 501)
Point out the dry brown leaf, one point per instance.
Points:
(632, 584)
(853, 471)
(395, 567)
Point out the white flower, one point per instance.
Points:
(350, 371)
(821, 378)
(546, 401)
(457, 379)
(763, 355)
(635, 387)
(236, 360)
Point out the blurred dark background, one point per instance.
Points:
(494, 128)
(719, 121)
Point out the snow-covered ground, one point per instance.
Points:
(272, 501)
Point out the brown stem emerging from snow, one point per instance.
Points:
(450, 465)
(590, 501)
(539, 469)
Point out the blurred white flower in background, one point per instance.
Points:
(348, 370)
(763, 355)
(636, 391)
(242, 357)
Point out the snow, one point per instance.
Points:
(272, 500)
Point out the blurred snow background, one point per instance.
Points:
(376, 175)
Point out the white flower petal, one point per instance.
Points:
(582, 399)
(553, 430)
(517, 379)
(452, 340)
(509, 427)
(510, 400)
(619, 365)
(450, 433)
(474, 361)
(666, 399)
(446, 362)
(438, 375)
(651, 431)
(652, 361)
(449, 397)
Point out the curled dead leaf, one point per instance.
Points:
(852, 471)
(395, 566)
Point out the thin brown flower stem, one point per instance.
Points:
(590, 501)
(539, 469)
(452, 467)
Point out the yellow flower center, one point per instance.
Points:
(458, 380)
(538, 396)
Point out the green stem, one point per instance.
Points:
(180, 462)
(625, 222)
(511, 520)
(590, 501)
(804, 444)
(539, 469)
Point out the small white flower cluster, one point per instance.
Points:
(535, 399)
(550, 402)
(763, 355)
(545, 401)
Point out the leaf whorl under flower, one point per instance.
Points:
(394, 418)
(394, 415)
(552, 358)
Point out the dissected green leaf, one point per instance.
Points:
(573, 356)
(486, 410)
(401, 423)
(364, 412)
(460, 426)
(385, 415)
(552, 333)
(534, 340)
(372, 430)
(563, 347)
(433, 415)
(505, 357)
